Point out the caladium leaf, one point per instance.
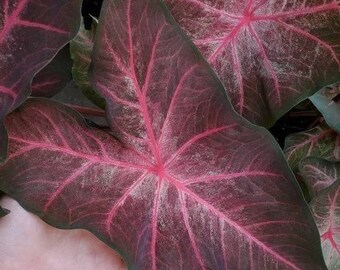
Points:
(318, 174)
(321, 142)
(270, 54)
(325, 209)
(31, 32)
(55, 76)
(81, 50)
(188, 184)
(325, 101)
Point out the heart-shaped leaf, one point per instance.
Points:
(318, 174)
(31, 32)
(325, 209)
(330, 108)
(321, 142)
(270, 54)
(55, 76)
(188, 185)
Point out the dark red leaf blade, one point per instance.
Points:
(76, 177)
(55, 76)
(271, 54)
(31, 32)
(189, 184)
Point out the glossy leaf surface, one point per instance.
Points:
(325, 101)
(325, 209)
(270, 54)
(318, 174)
(55, 76)
(321, 142)
(187, 185)
(31, 32)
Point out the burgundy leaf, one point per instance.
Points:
(318, 174)
(187, 185)
(55, 76)
(31, 32)
(270, 54)
(325, 209)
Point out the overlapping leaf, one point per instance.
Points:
(270, 54)
(325, 101)
(322, 179)
(81, 49)
(55, 76)
(318, 174)
(325, 208)
(31, 32)
(188, 185)
(321, 142)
